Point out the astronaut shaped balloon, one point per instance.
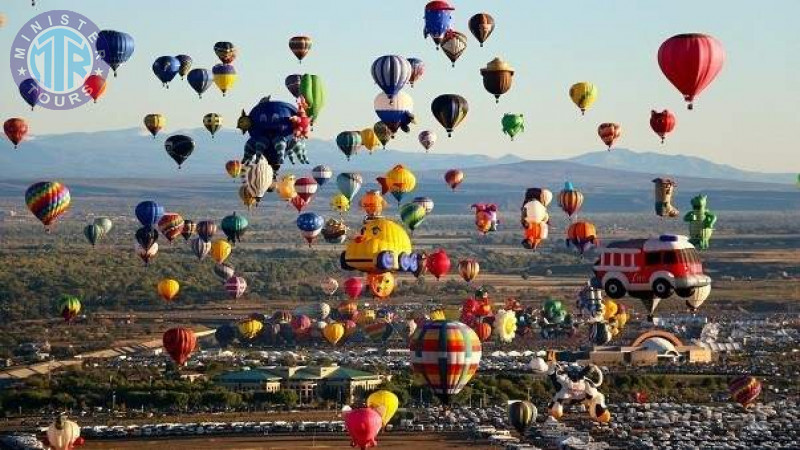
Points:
(575, 385)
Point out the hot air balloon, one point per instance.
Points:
(63, 434)
(206, 230)
(186, 65)
(583, 94)
(321, 174)
(701, 222)
(391, 73)
(372, 202)
(349, 184)
(483, 330)
(662, 123)
(235, 286)
(427, 138)
(446, 354)
(412, 215)
(745, 390)
(16, 129)
(313, 91)
(453, 45)
(189, 228)
(396, 112)
(179, 343)
(512, 124)
(292, 83)
(224, 271)
(425, 202)
(438, 263)
(497, 77)
(383, 132)
(348, 142)
(521, 414)
(329, 286)
(168, 289)
(148, 213)
(234, 227)
(94, 86)
(347, 311)
(220, 250)
(93, 233)
(417, 70)
(165, 68)
(699, 296)
(285, 187)
(450, 110)
(47, 200)
(609, 133)
(224, 76)
(146, 236)
(234, 168)
(305, 188)
(437, 20)
(334, 231)
(386, 402)
(155, 123)
(200, 80)
(310, 225)
(104, 223)
(333, 332)
(69, 307)
(300, 46)
(249, 328)
(170, 225)
(340, 203)
(453, 178)
(582, 235)
(258, 179)
(469, 269)
(481, 26)
(369, 139)
(363, 426)
(200, 248)
(30, 90)
(114, 47)
(225, 51)
(179, 147)
(535, 233)
(400, 181)
(691, 62)
(146, 254)
(381, 284)
(353, 287)
(570, 199)
(664, 193)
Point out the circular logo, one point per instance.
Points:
(57, 50)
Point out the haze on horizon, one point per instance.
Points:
(747, 118)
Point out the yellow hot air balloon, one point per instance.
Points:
(250, 328)
(155, 123)
(247, 198)
(366, 316)
(333, 332)
(224, 77)
(610, 309)
(285, 187)
(168, 289)
(220, 250)
(340, 203)
(437, 314)
(385, 402)
(583, 94)
(369, 139)
(400, 181)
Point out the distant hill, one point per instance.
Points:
(676, 165)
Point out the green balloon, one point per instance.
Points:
(312, 89)
(93, 233)
(412, 214)
(104, 223)
(234, 227)
(513, 124)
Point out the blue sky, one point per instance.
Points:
(747, 118)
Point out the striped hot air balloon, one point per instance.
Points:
(582, 235)
(206, 230)
(609, 132)
(469, 269)
(570, 199)
(47, 200)
(391, 73)
(446, 354)
(453, 45)
(745, 390)
(306, 187)
(321, 174)
(179, 343)
(235, 286)
(171, 225)
(300, 46)
(521, 414)
(200, 248)
(450, 110)
(189, 229)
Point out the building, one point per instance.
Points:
(308, 382)
(651, 348)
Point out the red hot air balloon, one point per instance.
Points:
(353, 287)
(662, 123)
(306, 187)
(453, 178)
(438, 263)
(483, 330)
(94, 86)
(609, 133)
(179, 343)
(16, 129)
(691, 62)
(363, 425)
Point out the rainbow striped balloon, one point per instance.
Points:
(47, 200)
(171, 225)
(745, 390)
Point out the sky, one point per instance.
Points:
(747, 118)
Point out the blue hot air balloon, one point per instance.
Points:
(166, 68)
(391, 73)
(30, 90)
(200, 80)
(310, 221)
(396, 112)
(148, 212)
(438, 18)
(114, 47)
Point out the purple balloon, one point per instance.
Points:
(30, 90)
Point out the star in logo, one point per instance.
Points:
(22, 71)
(98, 72)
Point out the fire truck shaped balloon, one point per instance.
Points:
(650, 269)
